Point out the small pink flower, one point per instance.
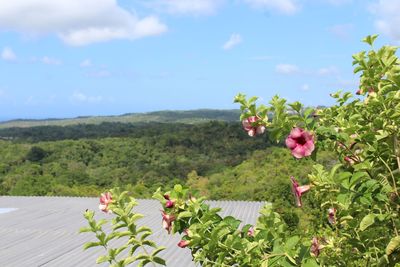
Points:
(167, 220)
(315, 247)
(248, 126)
(183, 243)
(169, 204)
(349, 160)
(250, 232)
(187, 232)
(332, 216)
(300, 142)
(298, 190)
(105, 200)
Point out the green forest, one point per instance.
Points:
(216, 158)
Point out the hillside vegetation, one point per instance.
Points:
(170, 116)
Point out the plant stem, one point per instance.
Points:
(391, 174)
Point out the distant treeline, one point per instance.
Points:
(109, 129)
(114, 154)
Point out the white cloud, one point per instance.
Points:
(8, 54)
(339, 2)
(305, 87)
(287, 7)
(328, 71)
(287, 69)
(388, 19)
(342, 31)
(86, 63)
(50, 61)
(76, 22)
(80, 97)
(186, 7)
(233, 41)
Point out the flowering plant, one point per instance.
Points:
(359, 195)
(126, 243)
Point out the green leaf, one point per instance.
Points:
(370, 39)
(393, 245)
(292, 242)
(310, 263)
(367, 221)
(85, 229)
(158, 250)
(159, 261)
(178, 188)
(184, 214)
(90, 244)
(102, 259)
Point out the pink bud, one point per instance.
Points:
(250, 232)
(170, 204)
(332, 216)
(183, 243)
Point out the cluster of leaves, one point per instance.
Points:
(220, 241)
(126, 243)
(150, 156)
(364, 132)
(359, 195)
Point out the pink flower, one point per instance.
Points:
(300, 142)
(332, 215)
(105, 200)
(315, 247)
(349, 160)
(298, 190)
(167, 220)
(248, 126)
(183, 243)
(169, 204)
(250, 232)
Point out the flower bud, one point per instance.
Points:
(170, 204)
(183, 243)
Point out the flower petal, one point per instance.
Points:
(298, 152)
(290, 142)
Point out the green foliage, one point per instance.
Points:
(218, 241)
(150, 156)
(137, 249)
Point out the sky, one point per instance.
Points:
(69, 58)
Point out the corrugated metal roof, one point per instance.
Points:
(43, 231)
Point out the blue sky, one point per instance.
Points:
(69, 58)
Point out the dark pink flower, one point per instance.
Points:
(298, 190)
(170, 204)
(183, 243)
(250, 232)
(300, 142)
(251, 127)
(332, 215)
(167, 220)
(315, 247)
(349, 160)
(105, 200)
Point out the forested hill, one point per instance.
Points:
(142, 158)
(188, 116)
